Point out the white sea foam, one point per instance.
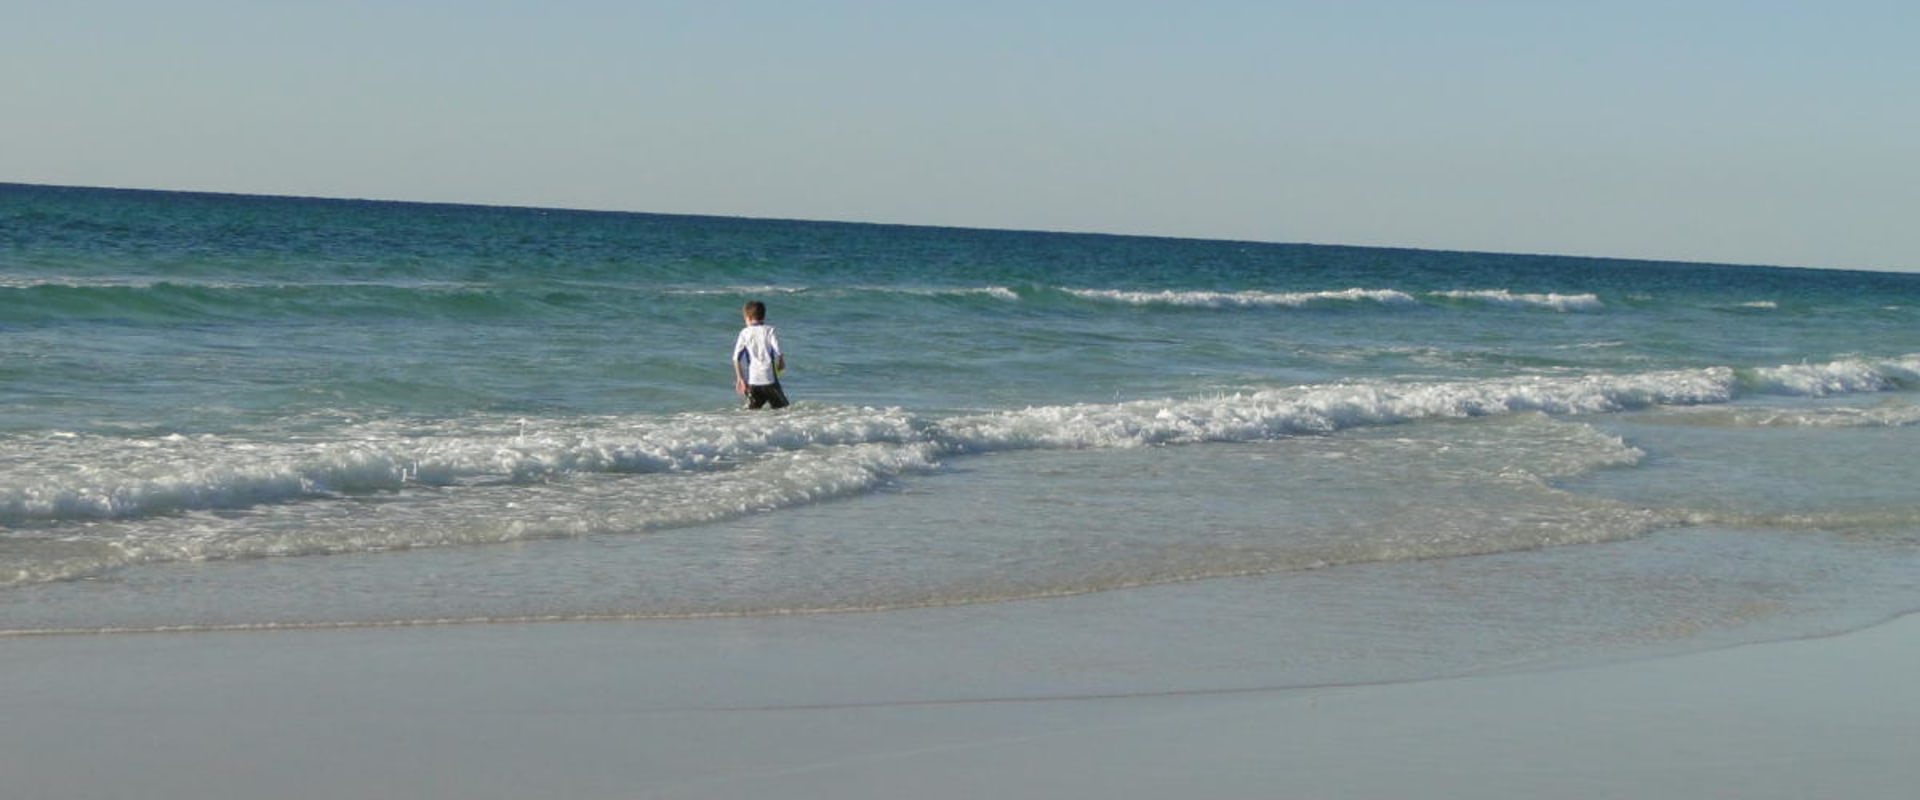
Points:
(26, 282)
(1838, 377)
(1324, 409)
(106, 477)
(1243, 298)
(995, 292)
(740, 290)
(1504, 297)
(1887, 415)
(1253, 298)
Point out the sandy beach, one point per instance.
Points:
(882, 706)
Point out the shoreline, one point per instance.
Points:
(884, 706)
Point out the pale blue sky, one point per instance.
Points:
(1708, 130)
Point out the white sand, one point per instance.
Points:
(860, 706)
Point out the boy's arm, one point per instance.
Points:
(739, 378)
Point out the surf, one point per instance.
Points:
(387, 484)
(79, 476)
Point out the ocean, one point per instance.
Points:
(246, 413)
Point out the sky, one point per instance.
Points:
(1753, 132)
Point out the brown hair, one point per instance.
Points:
(755, 310)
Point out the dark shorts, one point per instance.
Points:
(768, 395)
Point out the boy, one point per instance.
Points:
(757, 360)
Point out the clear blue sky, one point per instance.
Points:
(1753, 132)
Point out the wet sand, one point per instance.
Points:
(873, 706)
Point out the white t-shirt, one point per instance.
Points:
(760, 348)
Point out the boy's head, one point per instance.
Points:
(754, 311)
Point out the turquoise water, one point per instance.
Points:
(248, 411)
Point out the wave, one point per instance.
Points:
(1213, 299)
(1847, 376)
(109, 477)
(997, 292)
(112, 477)
(1884, 415)
(1503, 297)
(27, 299)
(32, 299)
(171, 302)
(394, 484)
(1384, 297)
(214, 498)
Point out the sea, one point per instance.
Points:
(1294, 462)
